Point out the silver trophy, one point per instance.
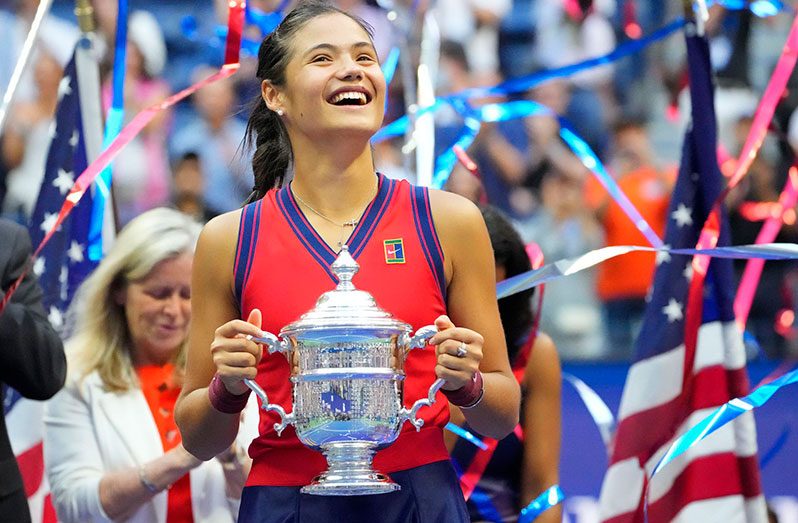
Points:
(348, 389)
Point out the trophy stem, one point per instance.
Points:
(350, 472)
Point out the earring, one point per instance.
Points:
(280, 112)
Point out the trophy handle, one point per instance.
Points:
(421, 337)
(410, 414)
(285, 419)
(419, 341)
(273, 344)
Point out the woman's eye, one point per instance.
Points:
(321, 58)
(159, 294)
(366, 57)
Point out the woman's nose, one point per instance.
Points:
(173, 305)
(350, 71)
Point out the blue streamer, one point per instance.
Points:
(113, 125)
(446, 161)
(266, 22)
(525, 83)
(466, 435)
(760, 8)
(390, 64)
(549, 498)
(566, 267)
(773, 451)
(596, 407)
(723, 415)
(484, 505)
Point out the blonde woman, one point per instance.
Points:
(112, 450)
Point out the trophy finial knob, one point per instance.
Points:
(345, 267)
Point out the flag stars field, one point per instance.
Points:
(673, 310)
(683, 215)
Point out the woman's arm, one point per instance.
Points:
(81, 487)
(122, 492)
(542, 402)
(206, 431)
(474, 313)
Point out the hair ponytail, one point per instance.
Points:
(272, 149)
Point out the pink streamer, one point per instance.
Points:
(771, 228)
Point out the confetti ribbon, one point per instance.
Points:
(113, 125)
(768, 233)
(567, 267)
(524, 83)
(760, 8)
(721, 416)
(549, 498)
(466, 435)
(596, 407)
(710, 232)
(22, 61)
(87, 177)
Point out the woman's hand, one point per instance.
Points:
(236, 357)
(456, 366)
(236, 465)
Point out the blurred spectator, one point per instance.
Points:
(517, 35)
(141, 170)
(623, 282)
(568, 32)
(475, 25)
(520, 468)
(760, 187)
(56, 35)
(189, 188)
(112, 449)
(565, 228)
(216, 137)
(377, 18)
(27, 139)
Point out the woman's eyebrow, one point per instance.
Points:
(332, 48)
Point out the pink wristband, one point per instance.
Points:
(225, 401)
(467, 396)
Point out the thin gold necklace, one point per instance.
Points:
(347, 223)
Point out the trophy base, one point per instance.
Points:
(350, 473)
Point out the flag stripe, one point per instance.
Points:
(714, 338)
(642, 433)
(704, 478)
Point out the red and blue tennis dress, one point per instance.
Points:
(282, 266)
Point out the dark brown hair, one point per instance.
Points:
(509, 252)
(265, 129)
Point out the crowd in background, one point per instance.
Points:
(631, 113)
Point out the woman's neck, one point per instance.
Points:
(335, 183)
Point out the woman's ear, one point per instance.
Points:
(272, 96)
(119, 295)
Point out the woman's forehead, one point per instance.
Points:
(335, 29)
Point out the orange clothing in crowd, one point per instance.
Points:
(630, 275)
(160, 391)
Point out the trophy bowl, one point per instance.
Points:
(348, 357)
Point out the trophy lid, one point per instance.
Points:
(345, 306)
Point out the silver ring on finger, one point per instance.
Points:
(462, 350)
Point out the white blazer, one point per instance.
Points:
(89, 432)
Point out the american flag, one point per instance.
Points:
(61, 267)
(63, 263)
(717, 480)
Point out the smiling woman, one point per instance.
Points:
(112, 448)
(423, 255)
